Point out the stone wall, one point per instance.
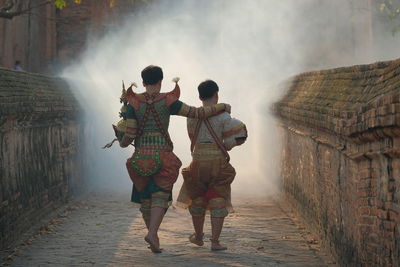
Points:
(40, 138)
(341, 159)
(46, 39)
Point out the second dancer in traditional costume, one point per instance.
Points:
(207, 180)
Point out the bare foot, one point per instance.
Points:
(150, 247)
(193, 238)
(154, 244)
(215, 245)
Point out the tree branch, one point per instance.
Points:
(5, 13)
(8, 5)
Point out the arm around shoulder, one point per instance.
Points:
(202, 112)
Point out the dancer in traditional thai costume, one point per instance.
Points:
(153, 167)
(207, 180)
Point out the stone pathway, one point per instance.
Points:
(106, 230)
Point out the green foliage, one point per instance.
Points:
(60, 4)
(390, 9)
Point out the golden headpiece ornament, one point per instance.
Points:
(123, 93)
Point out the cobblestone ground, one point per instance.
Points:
(106, 230)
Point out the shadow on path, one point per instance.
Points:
(108, 231)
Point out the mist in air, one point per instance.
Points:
(248, 47)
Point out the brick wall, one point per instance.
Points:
(341, 159)
(40, 139)
(46, 39)
(29, 38)
(89, 20)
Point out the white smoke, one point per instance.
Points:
(247, 46)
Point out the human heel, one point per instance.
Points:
(216, 246)
(153, 246)
(195, 240)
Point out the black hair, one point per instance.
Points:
(152, 75)
(17, 62)
(207, 89)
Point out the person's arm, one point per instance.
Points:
(181, 109)
(131, 128)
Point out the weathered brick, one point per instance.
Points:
(373, 238)
(368, 228)
(389, 235)
(363, 202)
(382, 214)
(389, 225)
(360, 110)
(362, 193)
(394, 216)
(365, 210)
(365, 164)
(45, 135)
(371, 248)
(370, 220)
(389, 205)
(365, 174)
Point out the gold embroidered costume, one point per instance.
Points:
(207, 180)
(153, 167)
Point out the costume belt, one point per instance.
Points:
(207, 152)
(148, 149)
(152, 141)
